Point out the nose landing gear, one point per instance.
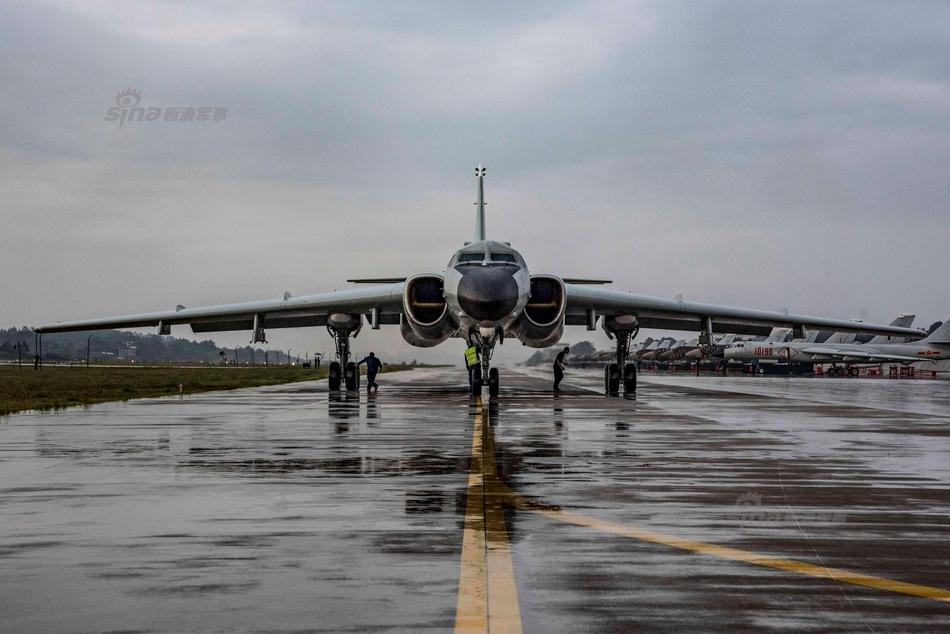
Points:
(493, 382)
(486, 346)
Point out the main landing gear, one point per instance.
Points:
(343, 371)
(845, 371)
(621, 373)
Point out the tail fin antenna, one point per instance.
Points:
(480, 204)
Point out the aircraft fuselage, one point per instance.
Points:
(486, 286)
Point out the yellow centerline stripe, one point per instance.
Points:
(487, 595)
(734, 554)
(471, 611)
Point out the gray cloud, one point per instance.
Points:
(741, 152)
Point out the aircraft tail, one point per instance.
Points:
(904, 320)
(777, 335)
(480, 204)
(941, 334)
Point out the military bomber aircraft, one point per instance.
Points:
(485, 295)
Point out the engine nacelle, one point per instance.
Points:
(426, 321)
(542, 322)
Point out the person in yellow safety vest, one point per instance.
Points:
(471, 363)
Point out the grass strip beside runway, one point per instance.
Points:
(55, 387)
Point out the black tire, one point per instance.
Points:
(335, 376)
(352, 377)
(493, 382)
(477, 381)
(630, 378)
(612, 375)
(853, 372)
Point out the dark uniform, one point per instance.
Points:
(559, 369)
(373, 366)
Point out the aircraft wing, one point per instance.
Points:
(862, 355)
(674, 314)
(289, 312)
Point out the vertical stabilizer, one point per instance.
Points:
(904, 320)
(941, 334)
(480, 204)
(778, 335)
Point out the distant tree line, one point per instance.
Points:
(116, 345)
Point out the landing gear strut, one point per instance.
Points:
(620, 372)
(343, 370)
(486, 346)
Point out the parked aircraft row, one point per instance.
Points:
(842, 350)
(837, 348)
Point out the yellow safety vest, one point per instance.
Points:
(471, 356)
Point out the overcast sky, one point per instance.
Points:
(763, 154)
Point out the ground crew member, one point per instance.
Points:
(559, 365)
(471, 363)
(373, 366)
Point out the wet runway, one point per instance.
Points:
(705, 504)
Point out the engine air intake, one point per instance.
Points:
(546, 304)
(542, 322)
(424, 300)
(426, 321)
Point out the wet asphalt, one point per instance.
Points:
(287, 508)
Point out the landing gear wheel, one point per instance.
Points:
(630, 378)
(493, 382)
(477, 381)
(612, 379)
(335, 376)
(352, 377)
(853, 372)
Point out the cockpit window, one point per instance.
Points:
(502, 257)
(471, 257)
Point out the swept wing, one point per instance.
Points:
(674, 314)
(290, 312)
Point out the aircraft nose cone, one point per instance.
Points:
(488, 293)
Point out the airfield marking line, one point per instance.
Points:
(726, 552)
(486, 532)
(734, 554)
(487, 595)
(471, 611)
